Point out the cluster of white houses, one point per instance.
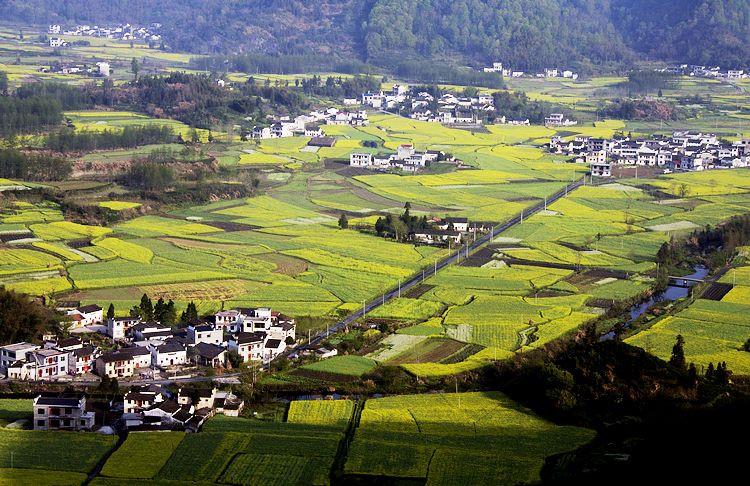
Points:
(307, 125)
(99, 69)
(254, 334)
(448, 109)
(406, 159)
(701, 71)
(497, 67)
(124, 31)
(683, 151)
(145, 407)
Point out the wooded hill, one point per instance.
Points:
(526, 34)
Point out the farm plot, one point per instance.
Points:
(12, 409)
(713, 331)
(452, 438)
(334, 413)
(52, 451)
(348, 365)
(232, 450)
(142, 455)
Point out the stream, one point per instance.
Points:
(672, 293)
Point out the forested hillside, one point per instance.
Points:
(525, 33)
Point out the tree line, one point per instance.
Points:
(28, 115)
(69, 140)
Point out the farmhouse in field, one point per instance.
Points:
(558, 120)
(406, 159)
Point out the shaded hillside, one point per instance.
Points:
(523, 33)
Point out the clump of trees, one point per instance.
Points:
(163, 312)
(22, 319)
(15, 164)
(401, 227)
(518, 106)
(28, 115)
(69, 140)
(648, 82)
(640, 109)
(150, 176)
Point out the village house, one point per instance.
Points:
(83, 359)
(145, 331)
(86, 315)
(62, 413)
(248, 345)
(56, 42)
(272, 348)
(48, 363)
(140, 398)
(228, 404)
(211, 355)
(204, 334)
(558, 120)
(118, 327)
(171, 353)
(124, 362)
(11, 353)
(436, 237)
(116, 364)
(460, 225)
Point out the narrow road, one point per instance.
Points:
(426, 272)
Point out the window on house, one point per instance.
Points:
(83, 422)
(40, 411)
(40, 423)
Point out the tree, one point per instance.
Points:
(343, 221)
(3, 83)
(111, 311)
(678, 354)
(146, 308)
(135, 67)
(190, 314)
(692, 375)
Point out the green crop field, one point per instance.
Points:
(335, 413)
(713, 331)
(12, 409)
(52, 451)
(455, 438)
(343, 365)
(142, 455)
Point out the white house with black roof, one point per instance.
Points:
(62, 413)
(210, 355)
(171, 353)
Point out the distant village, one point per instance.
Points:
(699, 71)
(683, 151)
(124, 31)
(507, 72)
